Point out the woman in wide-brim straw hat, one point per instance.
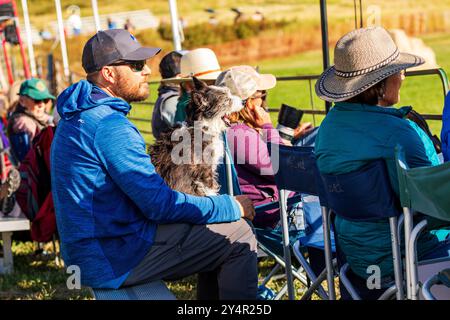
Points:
(362, 126)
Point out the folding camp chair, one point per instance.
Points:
(424, 190)
(229, 184)
(365, 195)
(269, 240)
(295, 169)
(441, 278)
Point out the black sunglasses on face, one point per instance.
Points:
(135, 66)
(39, 101)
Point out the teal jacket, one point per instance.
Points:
(352, 135)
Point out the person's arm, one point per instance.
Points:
(250, 150)
(412, 145)
(121, 149)
(25, 124)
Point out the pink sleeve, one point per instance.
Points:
(249, 149)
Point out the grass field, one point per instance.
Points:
(37, 276)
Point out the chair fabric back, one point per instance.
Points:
(297, 171)
(295, 168)
(424, 189)
(362, 195)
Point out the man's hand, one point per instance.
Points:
(246, 206)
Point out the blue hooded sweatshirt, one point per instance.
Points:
(445, 133)
(108, 197)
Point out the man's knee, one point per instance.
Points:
(249, 236)
(237, 232)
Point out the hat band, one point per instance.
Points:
(205, 72)
(352, 74)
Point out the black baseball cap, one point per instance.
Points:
(170, 64)
(109, 46)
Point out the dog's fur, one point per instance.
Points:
(204, 115)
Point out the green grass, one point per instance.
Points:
(37, 277)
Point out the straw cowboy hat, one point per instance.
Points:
(362, 58)
(200, 63)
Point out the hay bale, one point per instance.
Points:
(414, 46)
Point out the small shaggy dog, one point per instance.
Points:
(186, 157)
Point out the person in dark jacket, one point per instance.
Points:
(163, 116)
(117, 219)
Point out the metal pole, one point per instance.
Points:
(62, 39)
(26, 19)
(361, 14)
(7, 61)
(26, 68)
(325, 48)
(96, 17)
(286, 245)
(328, 253)
(175, 22)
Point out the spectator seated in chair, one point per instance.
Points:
(29, 117)
(364, 126)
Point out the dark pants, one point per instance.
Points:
(224, 256)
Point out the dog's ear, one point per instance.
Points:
(199, 84)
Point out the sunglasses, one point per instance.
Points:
(135, 66)
(39, 101)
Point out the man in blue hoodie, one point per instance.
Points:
(117, 219)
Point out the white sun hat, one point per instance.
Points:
(244, 81)
(201, 63)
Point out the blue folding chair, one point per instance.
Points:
(270, 241)
(366, 195)
(20, 145)
(295, 169)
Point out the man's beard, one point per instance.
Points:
(129, 92)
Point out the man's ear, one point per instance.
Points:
(108, 74)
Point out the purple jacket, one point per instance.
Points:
(254, 169)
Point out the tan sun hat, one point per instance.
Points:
(200, 63)
(362, 58)
(244, 81)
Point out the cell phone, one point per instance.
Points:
(289, 116)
